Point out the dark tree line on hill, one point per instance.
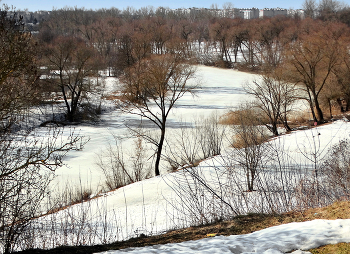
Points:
(313, 49)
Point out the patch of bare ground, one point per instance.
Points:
(340, 248)
(243, 224)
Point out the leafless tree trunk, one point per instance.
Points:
(151, 89)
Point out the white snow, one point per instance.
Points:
(152, 207)
(296, 236)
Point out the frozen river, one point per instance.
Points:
(220, 90)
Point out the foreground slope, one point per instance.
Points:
(274, 240)
(160, 204)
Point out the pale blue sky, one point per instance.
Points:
(34, 5)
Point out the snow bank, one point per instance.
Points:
(274, 240)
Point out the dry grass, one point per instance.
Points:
(239, 225)
(296, 120)
(246, 116)
(300, 118)
(340, 248)
(240, 142)
(229, 118)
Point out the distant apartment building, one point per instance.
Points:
(298, 12)
(272, 12)
(254, 13)
(249, 13)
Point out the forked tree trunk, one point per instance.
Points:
(319, 110)
(159, 150)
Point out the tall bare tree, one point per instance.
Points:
(327, 8)
(220, 32)
(342, 73)
(23, 155)
(18, 71)
(311, 59)
(152, 87)
(71, 65)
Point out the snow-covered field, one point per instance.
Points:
(284, 238)
(153, 206)
(176, 200)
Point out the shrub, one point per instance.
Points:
(336, 169)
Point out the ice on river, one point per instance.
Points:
(220, 90)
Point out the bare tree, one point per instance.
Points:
(311, 60)
(71, 65)
(228, 9)
(342, 73)
(310, 8)
(250, 149)
(329, 7)
(27, 166)
(151, 89)
(274, 97)
(27, 160)
(336, 169)
(220, 32)
(18, 72)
